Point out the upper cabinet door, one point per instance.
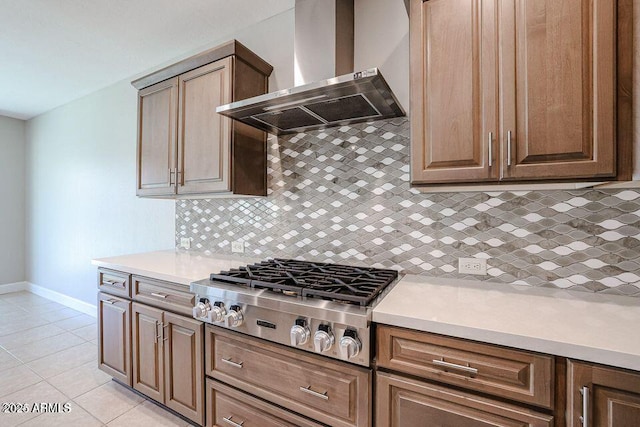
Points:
(558, 88)
(454, 91)
(157, 139)
(204, 136)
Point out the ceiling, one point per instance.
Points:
(55, 51)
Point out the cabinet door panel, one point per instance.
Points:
(558, 88)
(404, 402)
(157, 138)
(204, 136)
(114, 355)
(148, 375)
(613, 395)
(454, 98)
(184, 366)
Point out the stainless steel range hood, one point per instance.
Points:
(349, 98)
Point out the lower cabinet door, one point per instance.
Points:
(606, 397)
(404, 402)
(184, 366)
(148, 375)
(229, 407)
(114, 338)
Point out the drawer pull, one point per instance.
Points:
(112, 283)
(443, 364)
(229, 420)
(308, 390)
(232, 363)
(159, 295)
(110, 301)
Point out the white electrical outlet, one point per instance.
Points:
(237, 246)
(472, 266)
(185, 242)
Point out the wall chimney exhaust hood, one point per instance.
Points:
(323, 47)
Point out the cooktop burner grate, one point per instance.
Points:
(335, 282)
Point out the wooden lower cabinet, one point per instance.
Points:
(167, 360)
(405, 402)
(227, 405)
(612, 396)
(114, 350)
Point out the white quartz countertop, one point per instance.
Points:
(592, 327)
(171, 265)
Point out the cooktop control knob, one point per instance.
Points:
(350, 344)
(300, 333)
(202, 308)
(323, 339)
(218, 312)
(234, 317)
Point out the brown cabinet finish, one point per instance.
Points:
(507, 373)
(404, 402)
(148, 372)
(183, 366)
(520, 90)
(327, 391)
(164, 295)
(157, 137)
(114, 282)
(226, 404)
(454, 91)
(612, 396)
(558, 88)
(185, 147)
(114, 339)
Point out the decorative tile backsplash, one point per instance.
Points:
(342, 195)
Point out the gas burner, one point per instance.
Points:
(335, 282)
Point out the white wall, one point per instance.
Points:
(381, 39)
(12, 149)
(81, 201)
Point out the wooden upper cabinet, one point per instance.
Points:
(558, 67)
(185, 147)
(157, 139)
(607, 397)
(454, 90)
(520, 90)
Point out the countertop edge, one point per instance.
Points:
(556, 348)
(143, 272)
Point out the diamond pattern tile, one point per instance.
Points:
(343, 195)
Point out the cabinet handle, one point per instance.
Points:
(467, 369)
(159, 295)
(171, 171)
(164, 325)
(584, 418)
(229, 420)
(108, 282)
(308, 390)
(110, 301)
(232, 363)
(508, 148)
(158, 334)
(181, 175)
(490, 149)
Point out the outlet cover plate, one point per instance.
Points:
(472, 266)
(237, 247)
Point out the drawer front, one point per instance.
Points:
(407, 402)
(228, 407)
(513, 374)
(114, 282)
(165, 295)
(330, 392)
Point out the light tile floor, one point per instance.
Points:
(48, 354)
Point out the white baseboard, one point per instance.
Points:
(74, 303)
(13, 287)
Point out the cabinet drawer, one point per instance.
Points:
(513, 374)
(114, 282)
(406, 402)
(165, 295)
(331, 392)
(228, 407)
